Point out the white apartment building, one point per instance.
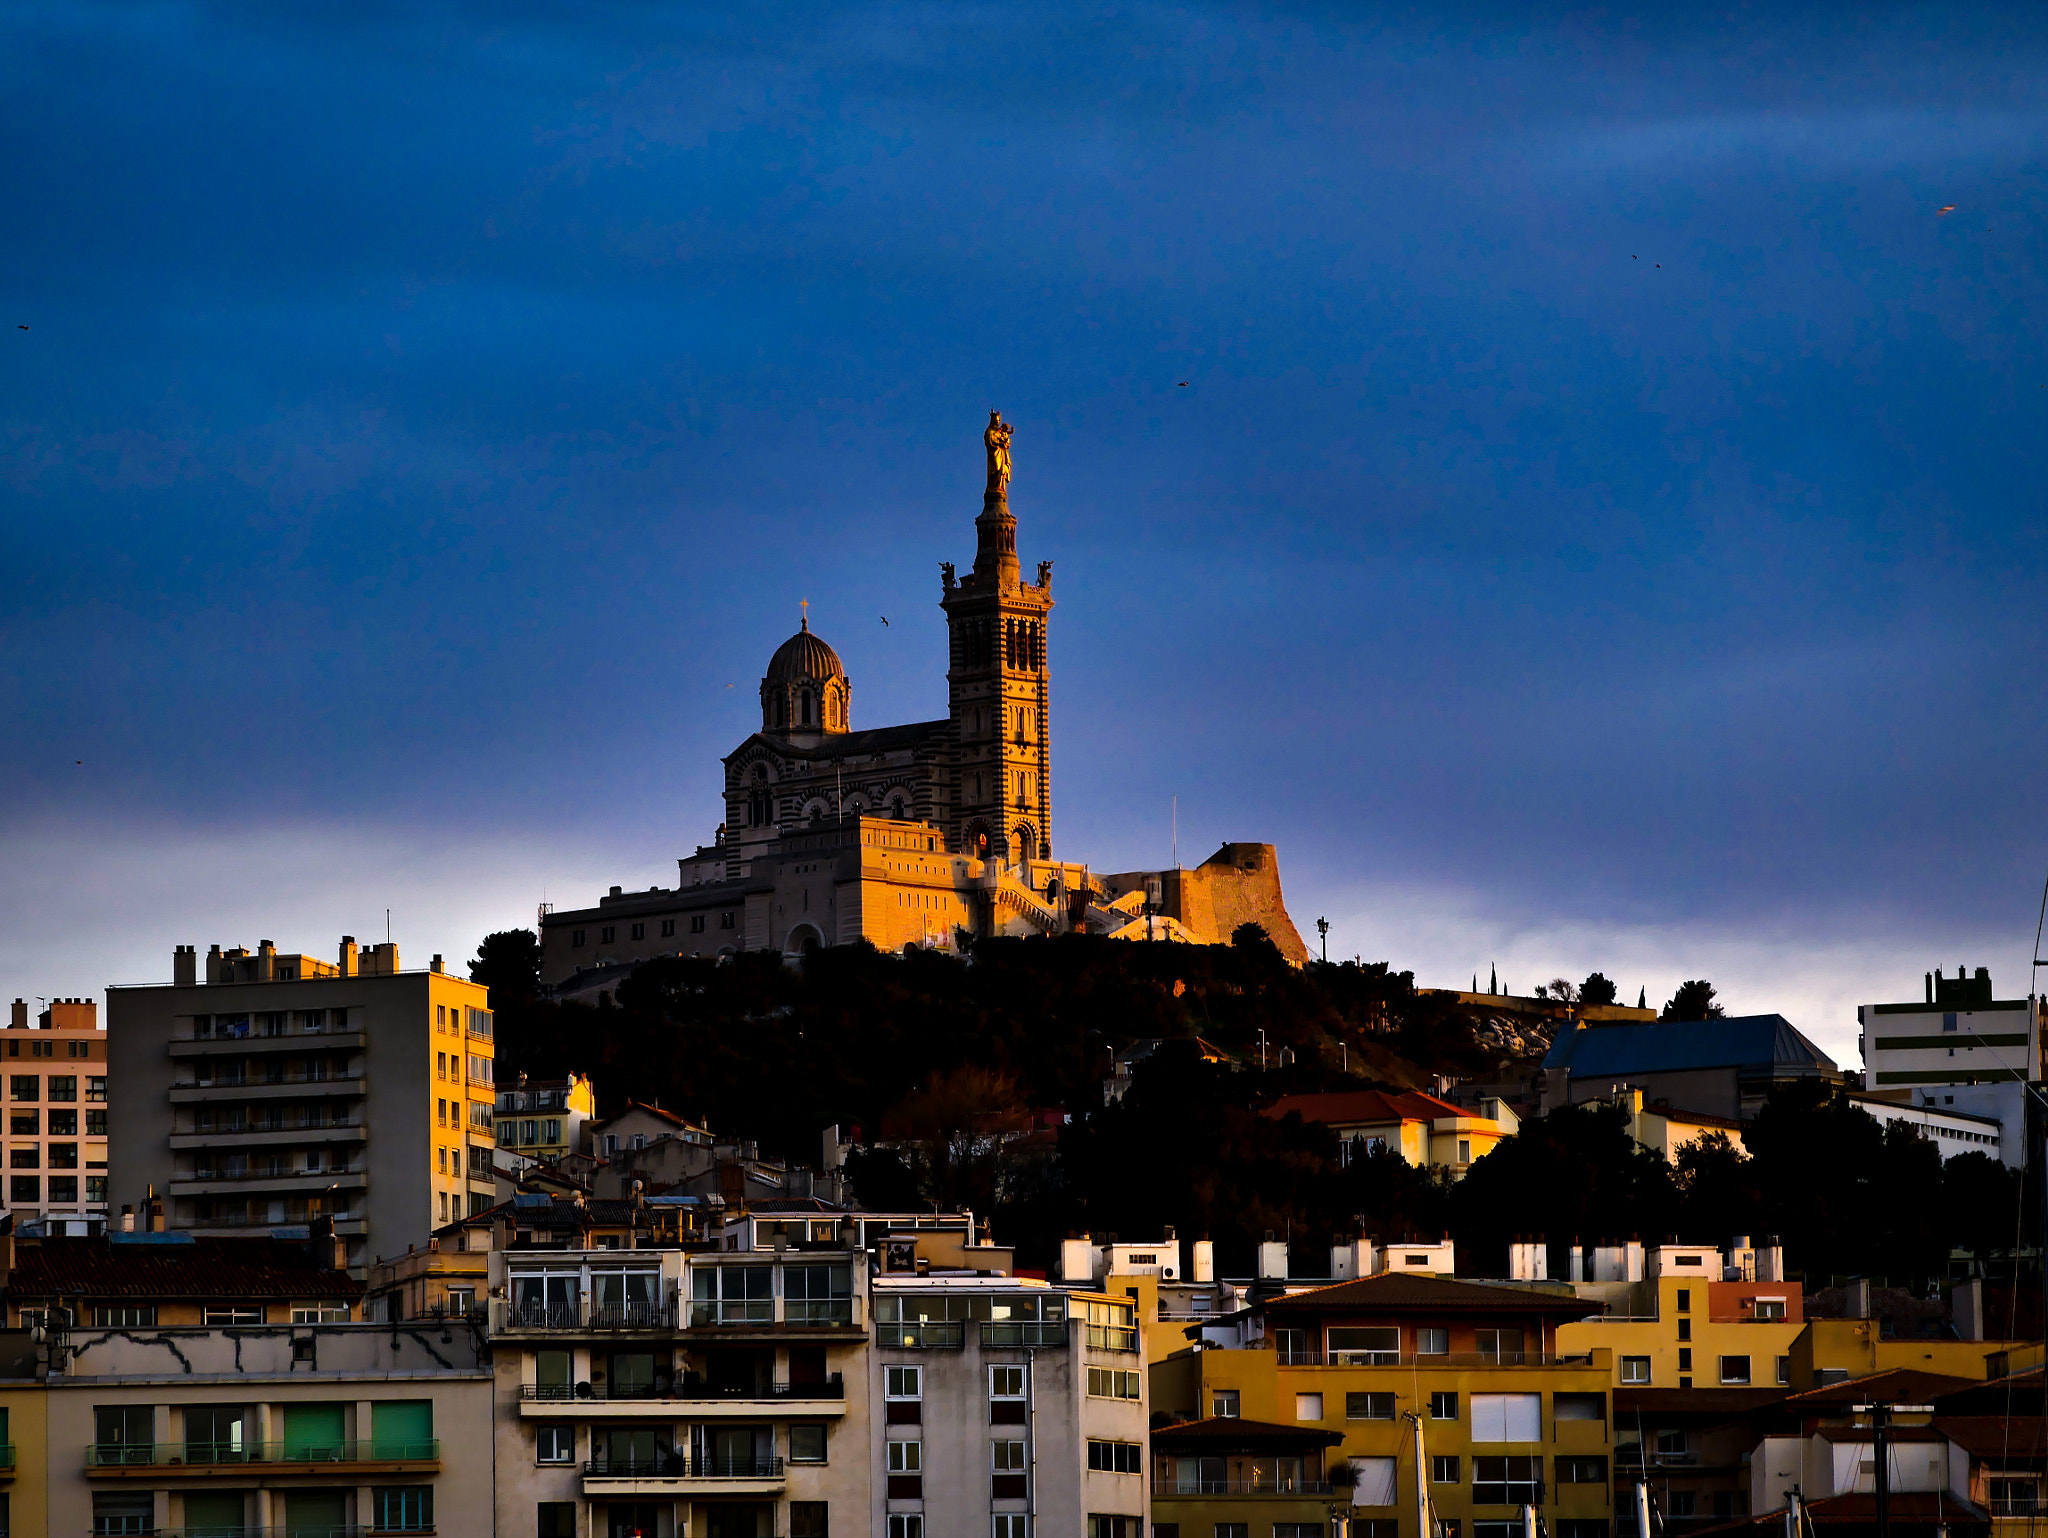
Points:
(1957, 1035)
(1009, 1407)
(283, 1089)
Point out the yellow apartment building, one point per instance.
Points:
(57, 1116)
(1681, 1325)
(24, 1441)
(1826, 1351)
(1427, 1132)
(1454, 1393)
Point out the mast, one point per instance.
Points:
(1423, 1527)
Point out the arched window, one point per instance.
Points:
(760, 807)
(806, 709)
(781, 710)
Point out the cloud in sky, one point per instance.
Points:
(1605, 497)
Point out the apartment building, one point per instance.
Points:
(546, 1119)
(162, 1280)
(653, 1382)
(57, 1116)
(1682, 1316)
(1173, 1285)
(1957, 1034)
(321, 1428)
(1009, 1407)
(1424, 1130)
(1454, 1396)
(282, 1088)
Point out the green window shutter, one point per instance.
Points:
(214, 1513)
(402, 1428)
(315, 1513)
(313, 1432)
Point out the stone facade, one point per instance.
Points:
(911, 834)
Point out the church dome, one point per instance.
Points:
(805, 690)
(803, 656)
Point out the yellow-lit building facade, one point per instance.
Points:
(1456, 1391)
(1684, 1327)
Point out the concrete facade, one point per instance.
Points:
(309, 1092)
(1958, 1035)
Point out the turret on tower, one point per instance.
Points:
(806, 693)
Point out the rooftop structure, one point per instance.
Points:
(1723, 1068)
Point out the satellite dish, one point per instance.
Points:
(583, 1390)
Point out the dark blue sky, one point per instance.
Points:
(1603, 526)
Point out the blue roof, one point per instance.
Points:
(1762, 1042)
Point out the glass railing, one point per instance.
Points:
(689, 1388)
(925, 1335)
(109, 1455)
(817, 1311)
(711, 1311)
(1240, 1484)
(1025, 1332)
(667, 1465)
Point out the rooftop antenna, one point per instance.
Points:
(1176, 836)
(387, 926)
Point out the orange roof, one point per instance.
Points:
(1364, 1105)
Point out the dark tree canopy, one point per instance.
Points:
(1596, 989)
(1693, 1001)
(508, 963)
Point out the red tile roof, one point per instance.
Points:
(1995, 1436)
(1895, 1385)
(212, 1269)
(1364, 1105)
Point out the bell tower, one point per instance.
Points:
(998, 684)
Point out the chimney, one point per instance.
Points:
(1273, 1258)
(216, 965)
(348, 955)
(1634, 1256)
(436, 966)
(1077, 1259)
(127, 1217)
(1578, 1261)
(155, 1207)
(266, 962)
(18, 1018)
(1204, 1269)
(184, 966)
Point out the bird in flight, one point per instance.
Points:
(1182, 385)
(21, 328)
(885, 619)
(1951, 208)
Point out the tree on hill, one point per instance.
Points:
(508, 963)
(1693, 1001)
(1595, 990)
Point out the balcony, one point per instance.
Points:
(1252, 1484)
(644, 1317)
(691, 1396)
(288, 1089)
(296, 1530)
(6, 1464)
(250, 1136)
(931, 1335)
(663, 1473)
(242, 1046)
(1024, 1332)
(198, 1460)
(774, 1314)
(1111, 1337)
(1308, 1356)
(2017, 1506)
(264, 1182)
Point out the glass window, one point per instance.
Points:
(123, 1511)
(241, 1314)
(1635, 1369)
(1368, 1407)
(63, 1086)
(1006, 1457)
(1308, 1407)
(1432, 1340)
(1005, 1382)
(124, 1316)
(1016, 1524)
(1582, 1471)
(906, 1524)
(906, 1457)
(1370, 1347)
(1734, 1369)
(903, 1383)
(25, 1188)
(24, 1086)
(731, 1295)
(1443, 1469)
(1579, 1407)
(1223, 1403)
(63, 1190)
(1505, 1481)
(809, 1519)
(1115, 1458)
(554, 1444)
(403, 1508)
(807, 1443)
(556, 1519)
(1507, 1418)
(1443, 1406)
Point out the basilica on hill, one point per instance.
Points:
(917, 834)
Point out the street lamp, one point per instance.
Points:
(1323, 929)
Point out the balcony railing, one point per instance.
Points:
(817, 1311)
(586, 1315)
(1247, 1484)
(690, 1388)
(141, 1455)
(1514, 1492)
(713, 1311)
(643, 1315)
(6, 1459)
(680, 1466)
(295, 1530)
(1112, 1337)
(928, 1335)
(1309, 1356)
(2017, 1506)
(1024, 1332)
